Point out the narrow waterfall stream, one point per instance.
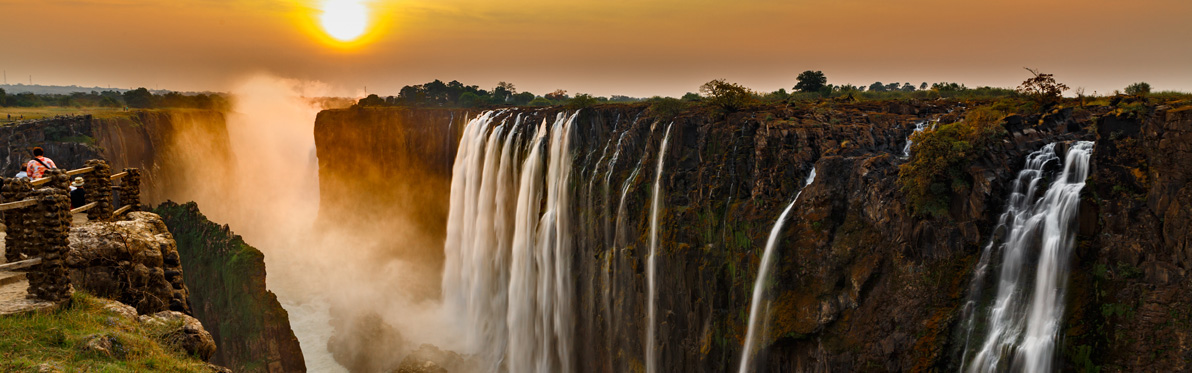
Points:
(652, 266)
(508, 248)
(1018, 329)
(763, 274)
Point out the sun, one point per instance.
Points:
(344, 20)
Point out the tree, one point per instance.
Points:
(811, 81)
(907, 87)
(581, 100)
(139, 98)
(690, 96)
(523, 98)
(923, 87)
(3, 95)
(1138, 89)
(557, 95)
(726, 96)
(877, 87)
(1042, 88)
(372, 100)
(469, 99)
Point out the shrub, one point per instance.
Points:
(581, 100)
(940, 156)
(667, 107)
(1138, 89)
(540, 101)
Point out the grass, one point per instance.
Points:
(51, 111)
(30, 340)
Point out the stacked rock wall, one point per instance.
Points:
(16, 223)
(49, 223)
(99, 189)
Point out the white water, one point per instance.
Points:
(652, 265)
(763, 274)
(508, 245)
(1021, 327)
(920, 126)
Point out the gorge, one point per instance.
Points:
(619, 238)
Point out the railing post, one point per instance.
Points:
(50, 220)
(58, 179)
(98, 186)
(130, 189)
(16, 222)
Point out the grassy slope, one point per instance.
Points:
(27, 341)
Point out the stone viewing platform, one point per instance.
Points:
(37, 219)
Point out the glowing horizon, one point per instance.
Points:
(634, 48)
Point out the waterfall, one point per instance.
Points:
(1019, 328)
(508, 248)
(763, 273)
(652, 266)
(920, 126)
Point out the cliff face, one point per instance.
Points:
(387, 173)
(227, 278)
(861, 282)
(1133, 308)
(165, 144)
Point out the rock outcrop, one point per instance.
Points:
(133, 261)
(226, 278)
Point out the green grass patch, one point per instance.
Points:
(53, 338)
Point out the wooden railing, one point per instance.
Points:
(39, 217)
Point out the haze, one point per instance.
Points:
(636, 48)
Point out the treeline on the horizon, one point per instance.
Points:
(811, 86)
(140, 98)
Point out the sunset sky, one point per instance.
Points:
(628, 47)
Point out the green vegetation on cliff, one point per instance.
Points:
(940, 157)
(59, 339)
(226, 278)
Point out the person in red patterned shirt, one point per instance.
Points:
(38, 166)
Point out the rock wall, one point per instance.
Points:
(227, 278)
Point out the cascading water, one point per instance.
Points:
(508, 248)
(1018, 330)
(763, 274)
(920, 126)
(652, 265)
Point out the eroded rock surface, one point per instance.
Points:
(133, 261)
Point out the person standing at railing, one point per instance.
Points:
(39, 164)
(78, 196)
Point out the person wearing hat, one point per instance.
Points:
(40, 163)
(77, 194)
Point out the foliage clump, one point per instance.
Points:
(940, 157)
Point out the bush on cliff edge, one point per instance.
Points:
(939, 160)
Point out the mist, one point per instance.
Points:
(327, 275)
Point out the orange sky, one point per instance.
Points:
(629, 47)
